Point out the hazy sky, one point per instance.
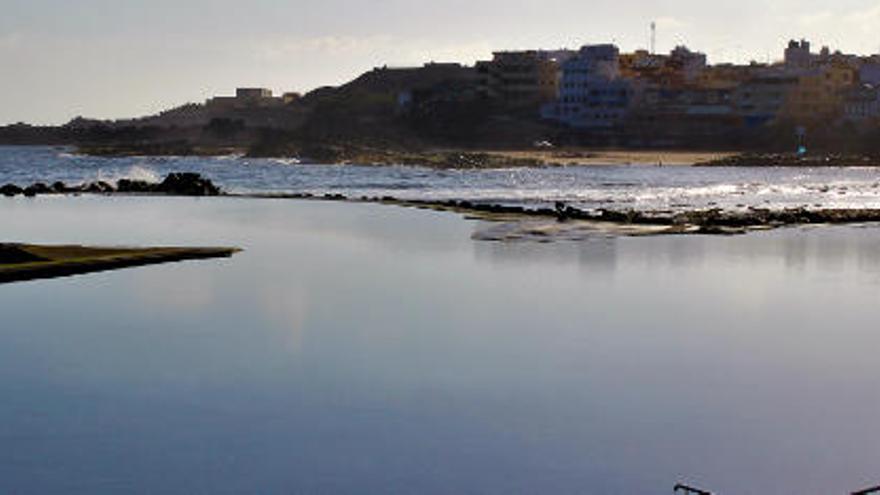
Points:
(116, 58)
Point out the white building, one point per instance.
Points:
(862, 104)
(592, 94)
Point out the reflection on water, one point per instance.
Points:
(370, 349)
(593, 256)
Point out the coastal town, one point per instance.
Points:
(596, 96)
(439, 247)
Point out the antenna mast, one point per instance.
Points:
(653, 38)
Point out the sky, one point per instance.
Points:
(124, 58)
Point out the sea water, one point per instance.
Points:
(640, 187)
(356, 348)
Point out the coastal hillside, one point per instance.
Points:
(595, 97)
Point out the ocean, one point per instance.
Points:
(362, 348)
(640, 187)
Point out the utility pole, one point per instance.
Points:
(653, 38)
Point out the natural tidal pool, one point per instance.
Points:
(356, 348)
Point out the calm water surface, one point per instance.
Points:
(371, 349)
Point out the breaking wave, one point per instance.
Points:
(135, 172)
(606, 187)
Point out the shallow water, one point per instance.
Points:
(371, 349)
(613, 187)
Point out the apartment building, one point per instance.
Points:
(525, 79)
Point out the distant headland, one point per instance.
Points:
(592, 98)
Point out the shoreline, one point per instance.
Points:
(621, 157)
(442, 158)
(623, 222)
(488, 158)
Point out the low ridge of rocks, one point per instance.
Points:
(174, 184)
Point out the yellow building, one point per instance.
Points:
(819, 93)
(728, 76)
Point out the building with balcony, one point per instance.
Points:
(680, 67)
(862, 104)
(819, 93)
(592, 93)
(522, 79)
(762, 99)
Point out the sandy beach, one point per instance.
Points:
(616, 157)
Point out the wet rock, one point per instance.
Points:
(615, 216)
(59, 187)
(187, 184)
(37, 189)
(99, 187)
(135, 186)
(795, 160)
(560, 209)
(10, 190)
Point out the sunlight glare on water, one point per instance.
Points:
(610, 187)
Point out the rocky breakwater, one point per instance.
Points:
(794, 160)
(175, 184)
(714, 221)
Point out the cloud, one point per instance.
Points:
(667, 22)
(10, 41)
(385, 47)
(866, 19)
(818, 18)
(466, 51)
(326, 45)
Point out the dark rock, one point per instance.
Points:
(135, 186)
(36, 189)
(794, 160)
(561, 211)
(187, 184)
(99, 187)
(10, 190)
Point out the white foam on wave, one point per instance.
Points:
(135, 172)
(285, 161)
(231, 156)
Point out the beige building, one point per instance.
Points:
(819, 93)
(526, 79)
